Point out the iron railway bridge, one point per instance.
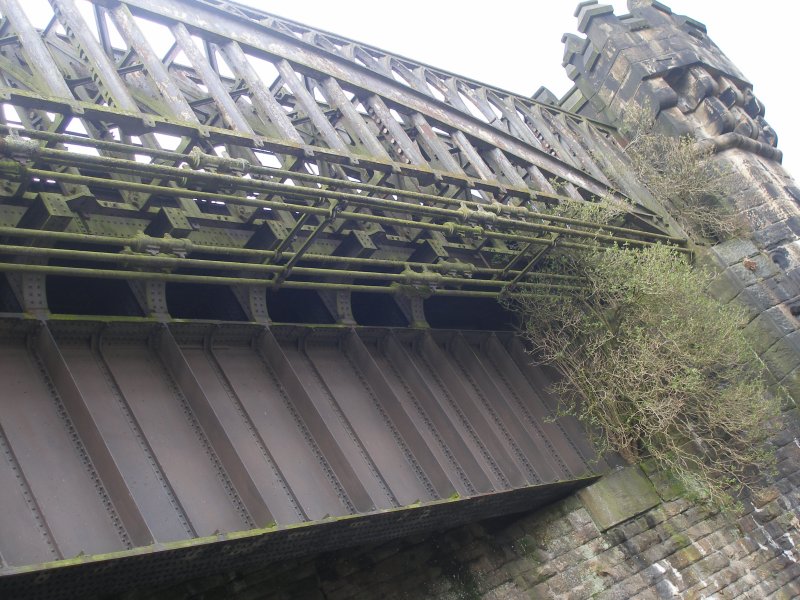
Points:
(249, 275)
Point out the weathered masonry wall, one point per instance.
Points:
(667, 62)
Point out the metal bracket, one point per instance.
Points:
(152, 297)
(254, 302)
(31, 292)
(339, 305)
(414, 311)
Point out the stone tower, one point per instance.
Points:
(655, 58)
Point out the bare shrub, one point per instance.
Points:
(683, 177)
(654, 366)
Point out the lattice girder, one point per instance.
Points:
(268, 126)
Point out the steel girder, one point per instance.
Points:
(126, 441)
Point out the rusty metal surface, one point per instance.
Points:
(121, 435)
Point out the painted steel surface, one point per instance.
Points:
(122, 435)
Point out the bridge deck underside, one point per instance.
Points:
(128, 434)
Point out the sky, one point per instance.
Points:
(516, 44)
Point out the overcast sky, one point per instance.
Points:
(516, 44)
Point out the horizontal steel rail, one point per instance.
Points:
(183, 246)
(408, 276)
(517, 214)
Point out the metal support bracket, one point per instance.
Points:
(254, 302)
(152, 297)
(339, 305)
(414, 311)
(31, 293)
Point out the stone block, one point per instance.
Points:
(757, 298)
(628, 588)
(579, 518)
(666, 484)
(725, 287)
(743, 275)
(768, 327)
(790, 590)
(634, 527)
(589, 14)
(684, 557)
(784, 356)
(785, 436)
(619, 496)
(718, 540)
(734, 251)
(659, 552)
(773, 235)
(794, 224)
(765, 267)
(686, 519)
(783, 289)
(506, 591)
(675, 507)
(539, 592)
(644, 541)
